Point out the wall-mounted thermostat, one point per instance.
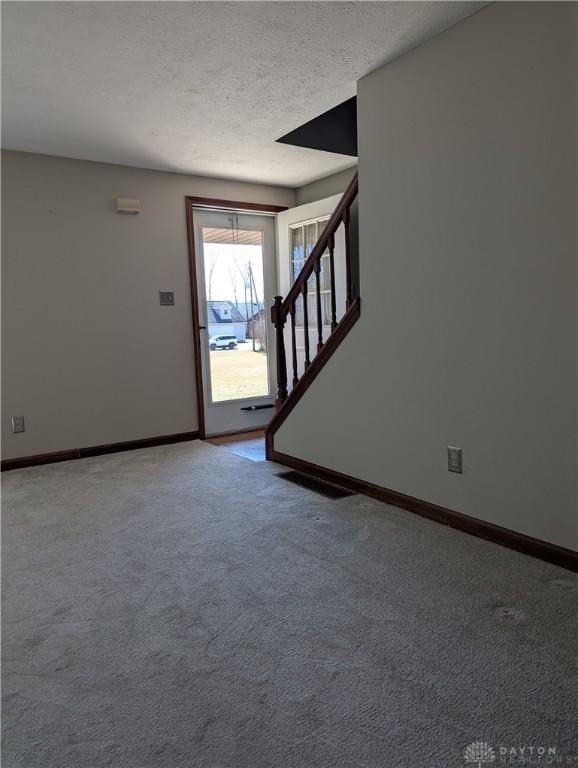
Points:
(127, 205)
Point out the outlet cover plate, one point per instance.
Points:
(455, 463)
(18, 424)
(166, 298)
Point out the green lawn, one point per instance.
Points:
(238, 373)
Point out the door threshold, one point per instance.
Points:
(227, 437)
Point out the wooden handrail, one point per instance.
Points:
(284, 308)
(321, 245)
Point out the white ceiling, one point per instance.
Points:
(196, 87)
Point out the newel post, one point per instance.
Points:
(279, 323)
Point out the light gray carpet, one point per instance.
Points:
(182, 606)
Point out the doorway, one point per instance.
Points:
(233, 279)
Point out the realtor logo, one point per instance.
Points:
(479, 753)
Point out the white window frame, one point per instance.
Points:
(325, 303)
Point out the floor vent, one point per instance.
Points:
(317, 486)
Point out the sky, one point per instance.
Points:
(225, 268)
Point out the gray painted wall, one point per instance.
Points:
(89, 356)
(468, 319)
(326, 187)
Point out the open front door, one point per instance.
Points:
(235, 285)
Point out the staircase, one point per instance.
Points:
(286, 311)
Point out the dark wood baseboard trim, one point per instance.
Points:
(95, 450)
(41, 458)
(543, 550)
(345, 325)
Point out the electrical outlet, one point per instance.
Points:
(455, 459)
(166, 298)
(18, 424)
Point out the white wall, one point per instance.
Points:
(89, 356)
(467, 333)
(326, 187)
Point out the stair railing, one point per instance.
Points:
(284, 308)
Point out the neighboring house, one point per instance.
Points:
(247, 309)
(224, 317)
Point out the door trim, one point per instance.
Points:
(209, 203)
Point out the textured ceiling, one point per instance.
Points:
(196, 87)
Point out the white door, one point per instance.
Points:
(235, 262)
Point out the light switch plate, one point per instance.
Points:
(455, 459)
(166, 298)
(18, 424)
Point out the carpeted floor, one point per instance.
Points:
(183, 607)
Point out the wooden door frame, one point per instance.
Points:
(209, 204)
